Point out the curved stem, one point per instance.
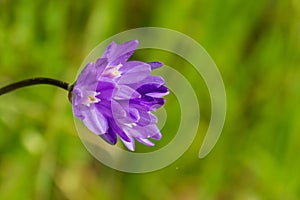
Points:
(34, 81)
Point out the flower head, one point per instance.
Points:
(114, 97)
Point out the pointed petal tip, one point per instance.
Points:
(136, 42)
(129, 145)
(107, 138)
(131, 149)
(155, 64)
(131, 43)
(145, 141)
(157, 136)
(119, 53)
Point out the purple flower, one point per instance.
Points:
(114, 97)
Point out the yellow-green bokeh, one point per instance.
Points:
(255, 44)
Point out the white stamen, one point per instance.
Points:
(113, 71)
(130, 125)
(91, 98)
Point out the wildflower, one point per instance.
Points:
(114, 97)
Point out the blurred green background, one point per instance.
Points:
(255, 44)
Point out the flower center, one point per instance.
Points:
(113, 72)
(91, 98)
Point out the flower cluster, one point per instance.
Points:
(114, 97)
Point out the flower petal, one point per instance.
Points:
(141, 131)
(100, 66)
(156, 136)
(116, 128)
(133, 72)
(134, 114)
(157, 80)
(94, 120)
(110, 137)
(77, 110)
(155, 65)
(84, 74)
(105, 89)
(117, 54)
(118, 111)
(145, 141)
(148, 103)
(124, 92)
(153, 90)
(146, 118)
(129, 144)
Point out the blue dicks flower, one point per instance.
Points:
(114, 97)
